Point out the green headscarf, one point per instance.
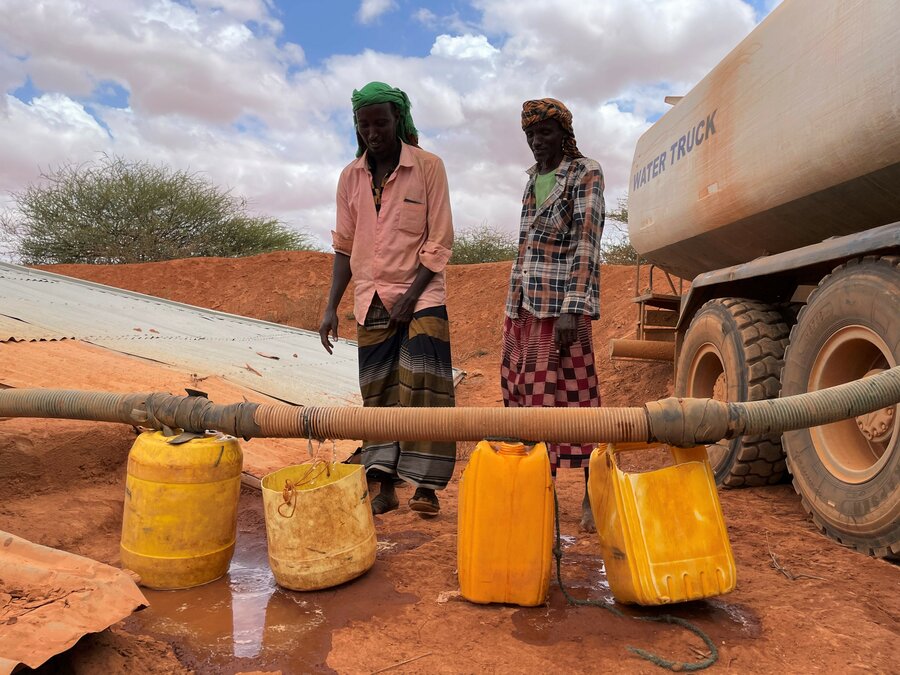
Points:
(379, 92)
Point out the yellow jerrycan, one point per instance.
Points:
(319, 524)
(662, 533)
(180, 518)
(505, 529)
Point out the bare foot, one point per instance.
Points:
(587, 517)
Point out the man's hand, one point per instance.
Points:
(565, 331)
(340, 277)
(402, 311)
(328, 327)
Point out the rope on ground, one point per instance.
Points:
(674, 666)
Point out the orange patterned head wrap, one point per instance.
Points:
(547, 108)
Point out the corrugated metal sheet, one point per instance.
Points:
(13, 330)
(279, 361)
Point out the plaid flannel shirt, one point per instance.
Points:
(557, 270)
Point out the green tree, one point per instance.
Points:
(115, 211)
(483, 244)
(616, 248)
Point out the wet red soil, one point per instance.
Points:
(61, 484)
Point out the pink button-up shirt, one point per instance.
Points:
(414, 227)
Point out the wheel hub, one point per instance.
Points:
(854, 450)
(707, 379)
(720, 389)
(876, 426)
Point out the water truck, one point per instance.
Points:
(773, 187)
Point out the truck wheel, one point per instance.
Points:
(733, 351)
(848, 473)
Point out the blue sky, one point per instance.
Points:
(255, 93)
(328, 28)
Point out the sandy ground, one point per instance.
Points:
(62, 485)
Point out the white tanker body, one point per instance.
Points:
(794, 137)
(774, 185)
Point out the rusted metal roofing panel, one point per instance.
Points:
(53, 598)
(286, 363)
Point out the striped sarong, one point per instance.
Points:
(407, 365)
(533, 373)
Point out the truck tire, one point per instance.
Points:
(733, 351)
(848, 473)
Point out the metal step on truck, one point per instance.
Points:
(773, 187)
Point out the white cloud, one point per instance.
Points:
(211, 88)
(369, 10)
(232, 37)
(12, 76)
(51, 131)
(426, 17)
(59, 112)
(463, 47)
(605, 47)
(261, 12)
(293, 54)
(172, 15)
(448, 22)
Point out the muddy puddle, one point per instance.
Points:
(585, 578)
(244, 621)
(740, 619)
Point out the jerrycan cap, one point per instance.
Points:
(504, 448)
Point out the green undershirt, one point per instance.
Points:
(543, 186)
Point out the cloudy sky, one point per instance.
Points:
(255, 93)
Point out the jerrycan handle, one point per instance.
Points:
(628, 447)
(680, 455)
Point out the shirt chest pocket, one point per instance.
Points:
(556, 220)
(413, 214)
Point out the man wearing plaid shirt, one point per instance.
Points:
(554, 289)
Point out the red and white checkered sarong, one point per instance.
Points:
(534, 373)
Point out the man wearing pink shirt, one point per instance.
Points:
(393, 237)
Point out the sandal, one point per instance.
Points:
(425, 504)
(382, 504)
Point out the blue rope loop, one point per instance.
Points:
(674, 666)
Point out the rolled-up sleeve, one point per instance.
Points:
(345, 224)
(438, 247)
